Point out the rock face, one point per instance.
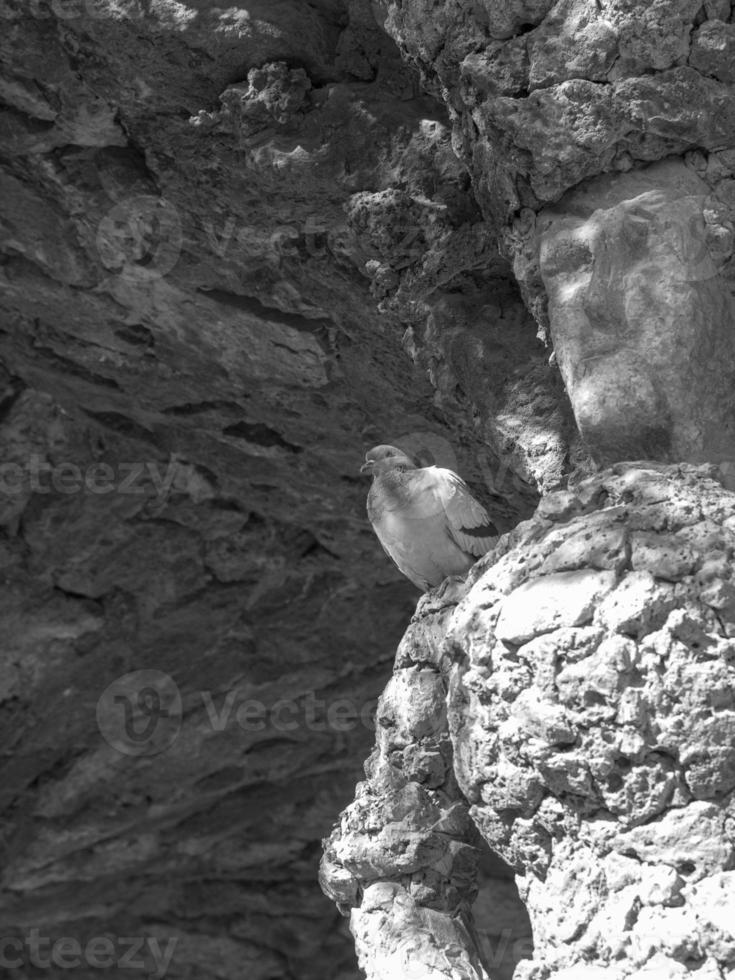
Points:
(588, 678)
(633, 271)
(238, 244)
(405, 856)
(200, 210)
(640, 313)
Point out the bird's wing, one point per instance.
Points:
(468, 523)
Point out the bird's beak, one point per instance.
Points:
(367, 466)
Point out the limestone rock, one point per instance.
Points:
(405, 858)
(558, 109)
(713, 50)
(238, 242)
(551, 601)
(612, 251)
(595, 750)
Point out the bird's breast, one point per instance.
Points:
(411, 498)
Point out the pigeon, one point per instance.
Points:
(425, 517)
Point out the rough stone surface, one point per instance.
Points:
(599, 756)
(596, 751)
(237, 244)
(201, 209)
(640, 315)
(406, 862)
(545, 95)
(634, 270)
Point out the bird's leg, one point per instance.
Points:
(451, 588)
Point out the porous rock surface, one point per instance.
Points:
(577, 709)
(405, 860)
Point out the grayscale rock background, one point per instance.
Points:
(241, 244)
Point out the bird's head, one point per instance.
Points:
(380, 459)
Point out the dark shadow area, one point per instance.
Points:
(501, 920)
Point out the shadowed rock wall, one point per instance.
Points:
(236, 247)
(201, 210)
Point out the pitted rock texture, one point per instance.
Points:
(590, 672)
(545, 95)
(593, 722)
(405, 861)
